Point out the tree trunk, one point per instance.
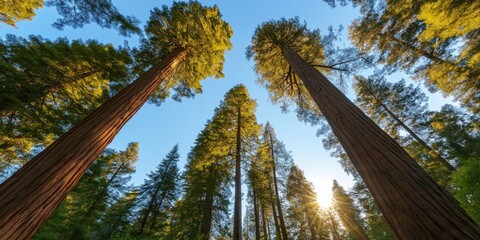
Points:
(413, 204)
(310, 220)
(275, 220)
(266, 233)
(31, 195)
(432, 152)
(206, 224)
(255, 211)
(277, 197)
(334, 227)
(237, 216)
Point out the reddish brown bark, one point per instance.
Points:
(413, 204)
(31, 195)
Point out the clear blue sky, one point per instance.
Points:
(158, 129)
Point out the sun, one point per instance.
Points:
(324, 193)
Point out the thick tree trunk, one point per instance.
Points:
(277, 196)
(31, 195)
(237, 215)
(417, 138)
(413, 204)
(255, 211)
(275, 221)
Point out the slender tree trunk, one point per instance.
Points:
(275, 220)
(417, 138)
(31, 195)
(95, 204)
(353, 224)
(255, 211)
(152, 202)
(334, 227)
(237, 216)
(277, 196)
(206, 224)
(310, 220)
(414, 205)
(266, 233)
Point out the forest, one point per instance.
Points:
(206, 120)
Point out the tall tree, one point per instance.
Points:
(391, 105)
(275, 149)
(303, 198)
(48, 86)
(407, 36)
(210, 165)
(415, 207)
(347, 211)
(195, 37)
(157, 196)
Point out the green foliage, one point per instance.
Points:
(48, 86)
(348, 212)
(204, 209)
(102, 187)
(198, 29)
(273, 71)
(396, 108)
(156, 198)
(304, 209)
(102, 12)
(13, 11)
(467, 183)
(423, 38)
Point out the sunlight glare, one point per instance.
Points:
(324, 193)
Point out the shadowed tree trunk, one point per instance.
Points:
(277, 197)
(237, 216)
(31, 195)
(206, 224)
(255, 211)
(266, 233)
(275, 220)
(413, 204)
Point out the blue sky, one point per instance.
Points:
(158, 129)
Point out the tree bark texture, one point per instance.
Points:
(237, 215)
(414, 205)
(31, 195)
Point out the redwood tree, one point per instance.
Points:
(192, 36)
(414, 205)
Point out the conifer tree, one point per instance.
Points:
(157, 196)
(408, 36)
(281, 48)
(304, 206)
(193, 39)
(48, 86)
(391, 105)
(348, 213)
